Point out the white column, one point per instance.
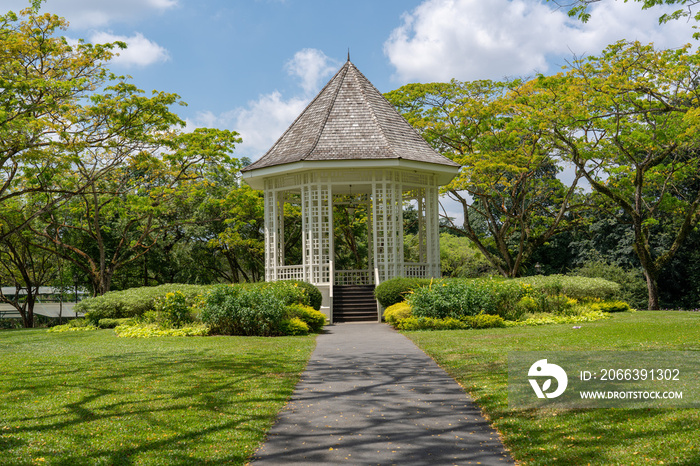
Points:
(270, 234)
(432, 231)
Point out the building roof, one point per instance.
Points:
(349, 120)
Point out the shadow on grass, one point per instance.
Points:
(566, 437)
(170, 407)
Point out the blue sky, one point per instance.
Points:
(252, 65)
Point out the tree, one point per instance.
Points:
(239, 236)
(131, 207)
(629, 121)
(512, 198)
(45, 114)
(25, 267)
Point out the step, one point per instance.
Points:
(354, 303)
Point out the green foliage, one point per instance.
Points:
(431, 323)
(258, 309)
(294, 326)
(461, 297)
(175, 308)
(633, 288)
(509, 299)
(68, 328)
(144, 330)
(113, 323)
(459, 258)
(509, 171)
(484, 321)
(580, 288)
(611, 306)
(480, 321)
(313, 318)
(546, 319)
(397, 312)
(314, 295)
(397, 289)
(133, 302)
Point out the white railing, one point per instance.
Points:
(416, 270)
(290, 272)
(352, 277)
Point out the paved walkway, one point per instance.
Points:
(370, 396)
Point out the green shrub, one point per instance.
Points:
(461, 297)
(633, 287)
(247, 310)
(581, 288)
(314, 318)
(485, 321)
(79, 323)
(611, 306)
(288, 291)
(112, 323)
(396, 289)
(132, 302)
(314, 295)
(294, 326)
(396, 312)
(174, 309)
(431, 323)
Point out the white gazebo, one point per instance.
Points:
(350, 147)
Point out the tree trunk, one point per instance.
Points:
(652, 287)
(27, 311)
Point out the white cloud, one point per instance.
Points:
(260, 123)
(139, 52)
(86, 14)
(312, 66)
(475, 39)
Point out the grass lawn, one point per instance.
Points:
(92, 398)
(479, 361)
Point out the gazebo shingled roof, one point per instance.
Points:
(349, 120)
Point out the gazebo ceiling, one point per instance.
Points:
(349, 123)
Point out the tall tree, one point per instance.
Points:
(24, 267)
(128, 210)
(629, 121)
(512, 198)
(45, 115)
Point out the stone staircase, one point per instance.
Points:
(354, 303)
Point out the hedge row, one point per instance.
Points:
(509, 299)
(266, 309)
(133, 302)
(581, 288)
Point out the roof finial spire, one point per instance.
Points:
(348, 53)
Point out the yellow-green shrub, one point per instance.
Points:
(611, 306)
(396, 312)
(485, 321)
(154, 330)
(294, 326)
(431, 323)
(314, 319)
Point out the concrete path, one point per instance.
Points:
(370, 396)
